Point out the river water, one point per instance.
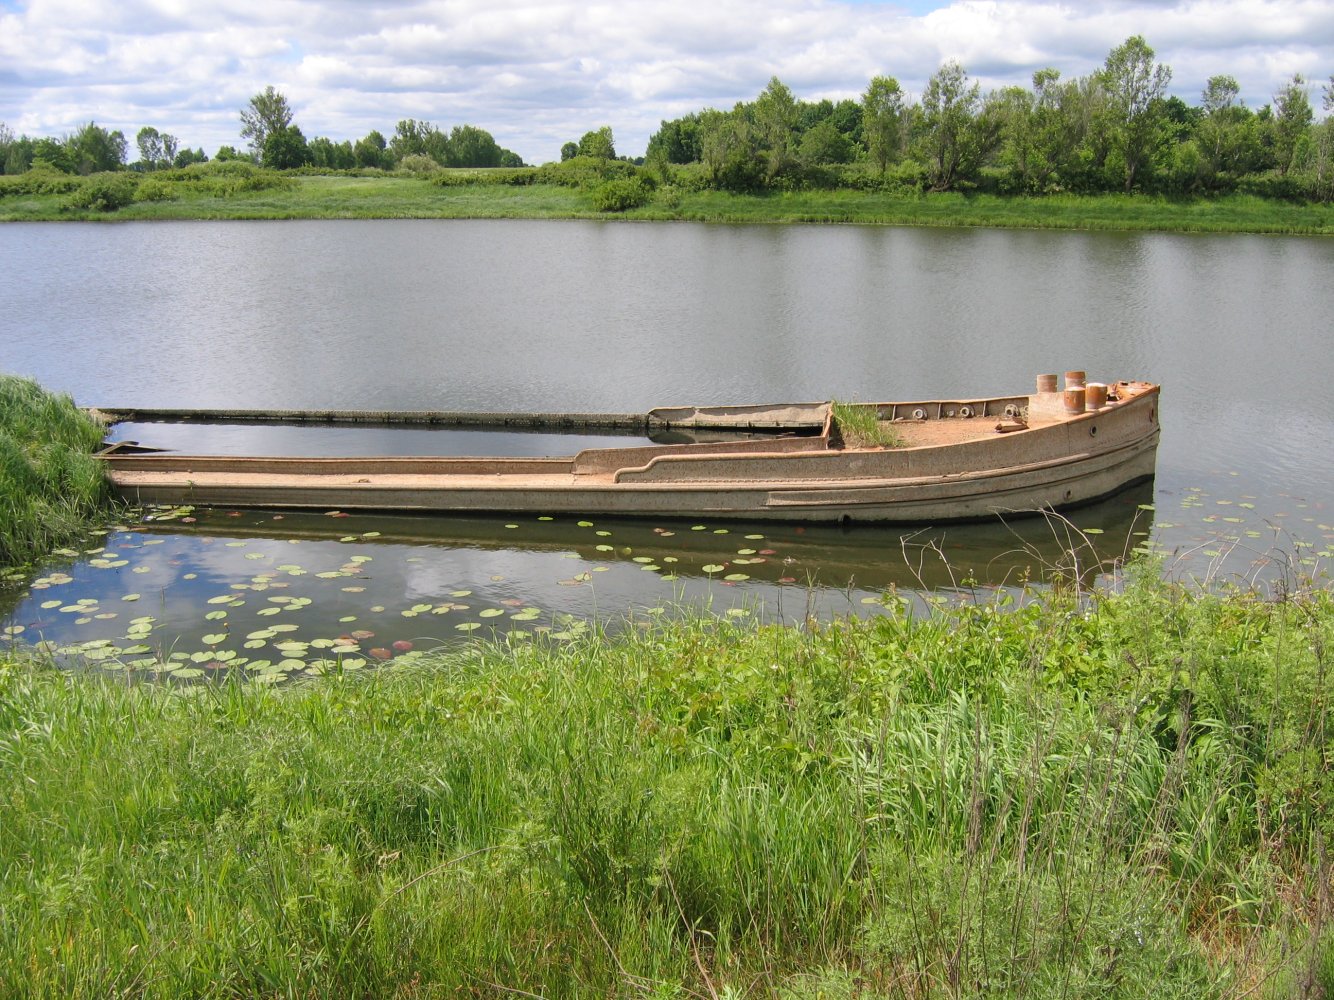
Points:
(509, 315)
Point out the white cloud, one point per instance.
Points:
(537, 74)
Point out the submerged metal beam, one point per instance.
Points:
(788, 417)
(435, 418)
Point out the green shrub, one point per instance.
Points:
(41, 179)
(668, 197)
(155, 189)
(1279, 187)
(463, 177)
(418, 164)
(226, 178)
(584, 172)
(105, 192)
(622, 195)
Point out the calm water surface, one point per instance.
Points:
(620, 317)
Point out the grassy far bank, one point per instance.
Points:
(396, 196)
(1129, 799)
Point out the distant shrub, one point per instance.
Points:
(105, 192)
(226, 178)
(622, 195)
(1279, 187)
(463, 177)
(904, 177)
(41, 179)
(155, 189)
(418, 164)
(584, 172)
(668, 197)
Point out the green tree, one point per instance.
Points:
(470, 146)
(411, 138)
(371, 151)
(728, 150)
(883, 120)
(268, 112)
(569, 151)
(598, 144)
(92, 149)
(823, 144)
(1226, 134)
(156, 149)
(1220, 94)
(285, 149)
(329, 155)
(226, 153)
(1136, 123)
(1324, 147)
(188, 156)
(149, 142)
(1292, 118)
(15, 152)
(775, 115)
(678, 140)
(957, 131)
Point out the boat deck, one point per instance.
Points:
(956, 459)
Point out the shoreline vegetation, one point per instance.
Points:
(51, 486)
(241, 191)
(1108, 150)
(1125, 795)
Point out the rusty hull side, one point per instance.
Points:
(1057, 462)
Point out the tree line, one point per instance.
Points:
(1114, 129)
(274, 141)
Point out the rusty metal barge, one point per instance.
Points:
(956, 460)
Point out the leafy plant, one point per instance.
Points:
(105, 192)
(622, 195)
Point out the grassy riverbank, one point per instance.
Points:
(1129, 799)
(50, 484)
(222, 196)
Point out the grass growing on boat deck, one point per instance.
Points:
(860, 426)
(50, 484)
(1128, 799)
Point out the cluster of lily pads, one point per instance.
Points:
(265, 643)
(275, 651)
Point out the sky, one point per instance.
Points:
(538, 73)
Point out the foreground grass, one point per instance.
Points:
(1126, 800)
(389, 197)
(51, 487)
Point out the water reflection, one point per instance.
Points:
(219, 590)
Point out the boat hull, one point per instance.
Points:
(1062, 463)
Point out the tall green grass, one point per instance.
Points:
(859, 425)
(50, 483)
(1124, 799)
